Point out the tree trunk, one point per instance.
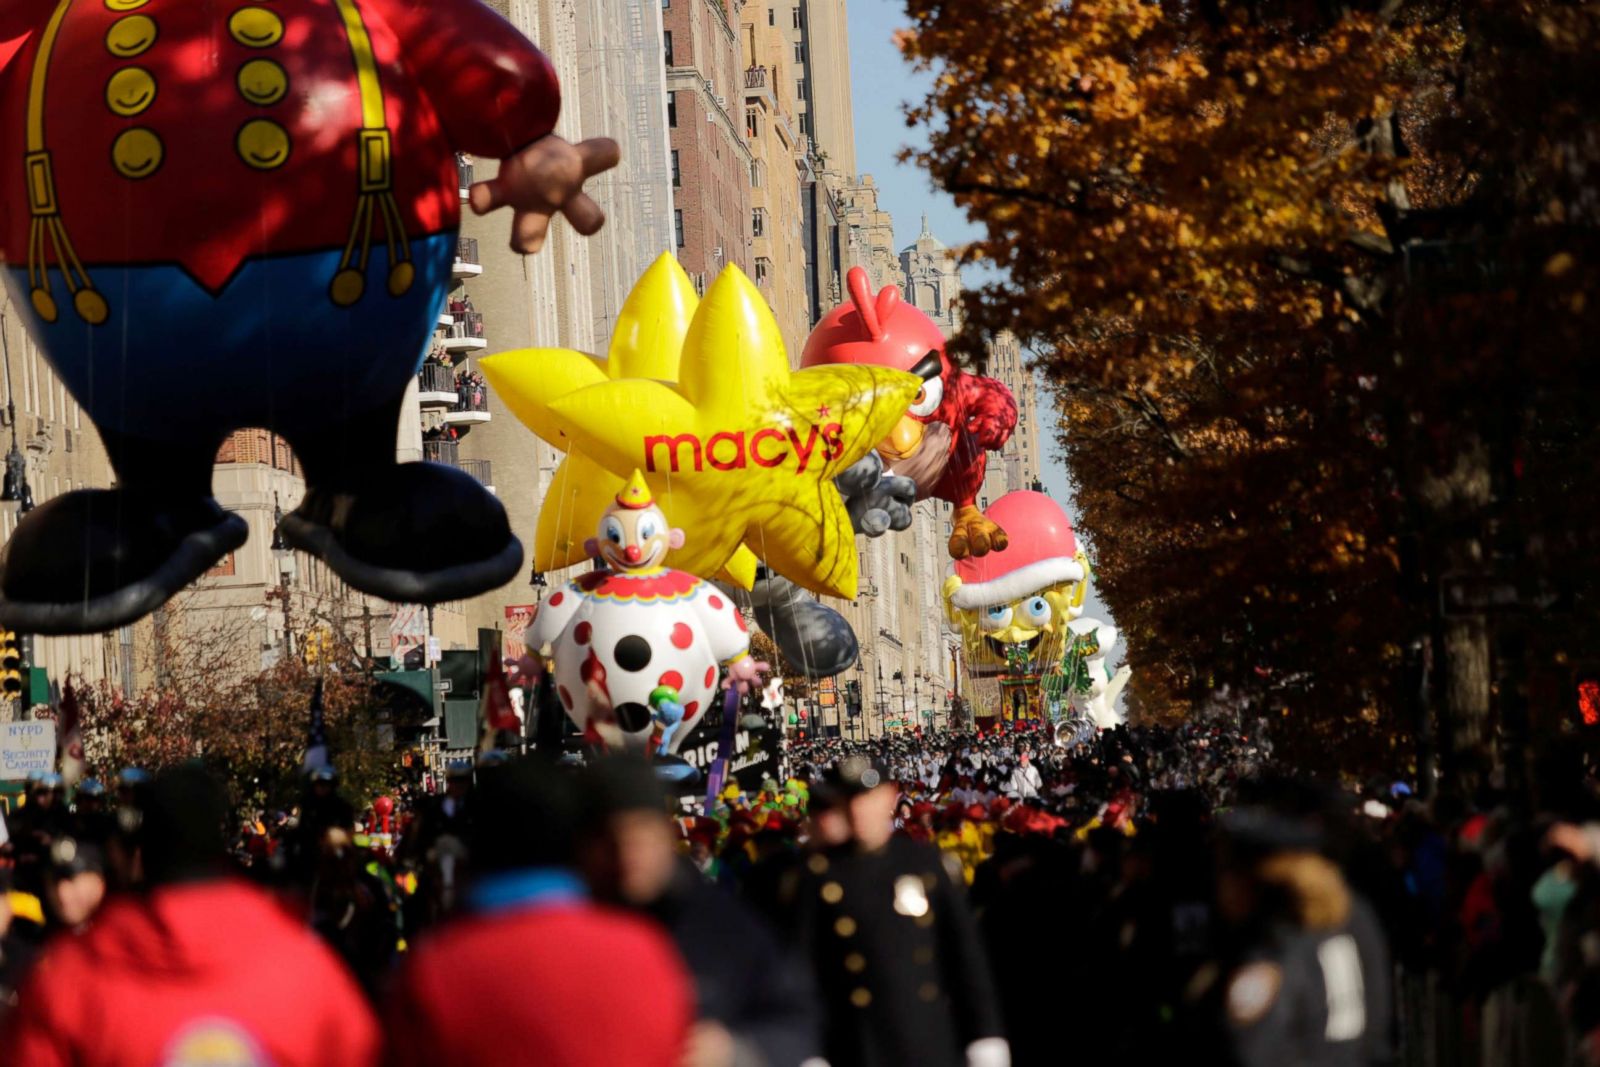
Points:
(1453, 499)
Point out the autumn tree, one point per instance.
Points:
(251, 726)
(1308, 282)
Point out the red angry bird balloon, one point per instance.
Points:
(234, 214)
(943, 441)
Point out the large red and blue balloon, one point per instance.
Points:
(225, 215)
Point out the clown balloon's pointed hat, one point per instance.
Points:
(635, 496)
(1043, 552)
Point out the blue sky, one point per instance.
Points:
(881, 82)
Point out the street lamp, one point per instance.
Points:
(15, 489)
(286, 568)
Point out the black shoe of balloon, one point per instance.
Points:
(96, 559)
(416, 533)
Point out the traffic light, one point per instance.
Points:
(852, 698)
(1587, 684)
(10, 665)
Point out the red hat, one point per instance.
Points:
(882, 330)
(977, 813)
(1042, 552)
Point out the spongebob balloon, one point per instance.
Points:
(1014, 605)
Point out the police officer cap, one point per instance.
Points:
(855, 775)
(323, 774)
(70, 857)
(91, 787)
(50, 780)
(131, 776)
(1263, 832)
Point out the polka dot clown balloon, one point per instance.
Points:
(637, 645)
(1014, 605)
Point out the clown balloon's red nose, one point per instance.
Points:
(632, 553)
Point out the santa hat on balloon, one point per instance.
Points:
(1042, 552)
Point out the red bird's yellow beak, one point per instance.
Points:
(903, 441)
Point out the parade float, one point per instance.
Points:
(1014, 608)
(638, 646)
(743, 453)
(215, 222)
(955, 420)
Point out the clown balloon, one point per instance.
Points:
(637, 645)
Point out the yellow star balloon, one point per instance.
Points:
(646, 343)
(741, 450)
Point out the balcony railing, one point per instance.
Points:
(755, 77)
(436, 379)
(479, 469)
(467, 261)
(464, 170)
(471, 397)
(466, 332)
(446, 452)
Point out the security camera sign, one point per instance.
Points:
(26, 747)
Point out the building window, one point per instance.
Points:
(758, 222)
(772, 16)
(667, 38)
(672, 109)
(800, 89)
(755, 173)
(677, 177)
(763, 270)
(805, 124)
(752, 123)
(799, 52)
(797, 18)
(677, 226)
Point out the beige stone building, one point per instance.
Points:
(61, 452)
(777, 154)
(871, 233)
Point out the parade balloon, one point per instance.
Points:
(955, 419)
(646, 343)
(742, 450)
(1093, 641)
(1014, 606)
(637, 645)
(226, 216)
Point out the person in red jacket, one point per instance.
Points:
(535, 973)
(195, 966)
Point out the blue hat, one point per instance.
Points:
(130, 776)
(51, 780)
(91, 787)
(324, 773)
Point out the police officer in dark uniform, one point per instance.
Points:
(896, 954)
(1302, 973)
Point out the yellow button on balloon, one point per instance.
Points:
(137, 153)
(130, 91)
(130, 36)
(262, 82)
(125, 5)
(256, 27)
(263, 144)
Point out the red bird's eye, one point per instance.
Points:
(927, 401)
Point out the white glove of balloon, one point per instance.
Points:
(989, 1052)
